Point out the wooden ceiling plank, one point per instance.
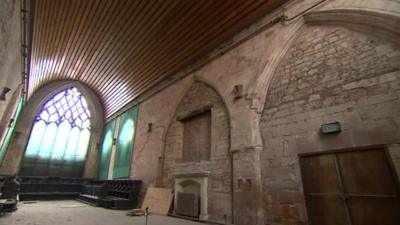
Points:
(122, 56)
(35, 45)
(131, 51)
(83, 44)
(104, 32)
(89, 18)
(76, 23)
(190, 39)
(187, 27)
(186, 17)
(176, 68)
(179, 47)
(99, 32)
(47, 45)
(105, 47)
(52, 45)
(80, 33)
(45, 34)
(154, 45)
(179, 56)
(108, 44)
(156, 30)
(60, 25)
(64, 44)
(64, 35)
(145, 15)
(141, 85)
(43, 25)
(219, 37)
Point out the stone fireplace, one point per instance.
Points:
(195, 184)
(196, 159)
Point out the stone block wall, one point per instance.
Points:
(199, 97)
(329, 74)
(10, 59)
(197, 137)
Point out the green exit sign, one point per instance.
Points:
(330, 128)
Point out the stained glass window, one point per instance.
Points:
(60, 137)
(106, 149)
(125, 143)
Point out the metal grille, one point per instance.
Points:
(188, 205)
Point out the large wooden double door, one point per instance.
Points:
(350, 188)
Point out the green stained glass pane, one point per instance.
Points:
(7, 139)
(106, 150)
(10, 131)
(72, 144)
(60, 141)
(35, 139)
(125, 142)
(84, 140)
(46, 147)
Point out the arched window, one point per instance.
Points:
(59, 138)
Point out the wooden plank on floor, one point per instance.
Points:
(158, 200)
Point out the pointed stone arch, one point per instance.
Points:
(201, 98)
(376, 22)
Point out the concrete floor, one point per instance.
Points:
(76, 213)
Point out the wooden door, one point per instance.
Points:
(350, 188)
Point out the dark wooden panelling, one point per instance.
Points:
(351, 187)
(122, 48)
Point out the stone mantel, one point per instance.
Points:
(190, 174)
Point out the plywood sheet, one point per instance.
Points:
(158, 200)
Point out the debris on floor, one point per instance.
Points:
(136, 212)
(50, 213)
(72, 206)
(29, 202)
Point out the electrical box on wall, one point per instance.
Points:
(329, 128)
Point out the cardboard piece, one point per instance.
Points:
(158, 200)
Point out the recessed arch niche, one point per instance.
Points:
(201, 110)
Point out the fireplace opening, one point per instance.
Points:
(188, 199)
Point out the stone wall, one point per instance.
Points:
(329, 74)
(197, 98)
(275, 194)
(10, 58)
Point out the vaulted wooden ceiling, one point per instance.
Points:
(121, 48)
